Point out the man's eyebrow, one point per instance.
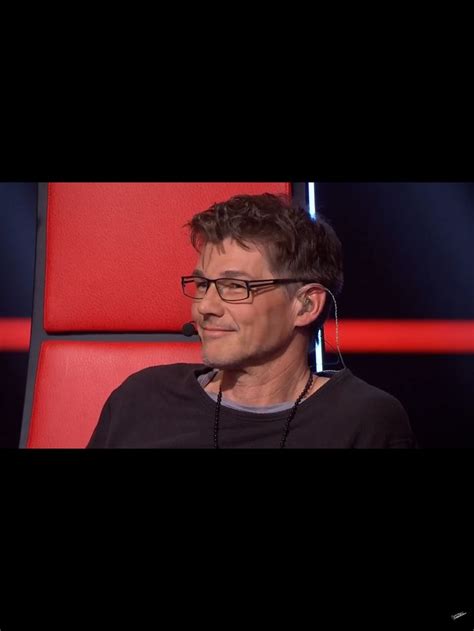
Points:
(230, 273)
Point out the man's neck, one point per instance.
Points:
(262, 385)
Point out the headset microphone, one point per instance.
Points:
(189, 329)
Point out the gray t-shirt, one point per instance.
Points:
(206, 378)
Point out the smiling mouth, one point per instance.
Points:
(213, 329)
(216, 332)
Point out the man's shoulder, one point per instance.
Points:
(374, 414)
(164, 373)
(357, 391)
(384, 420)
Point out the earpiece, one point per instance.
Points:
(307, 303)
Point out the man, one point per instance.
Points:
(263, 286)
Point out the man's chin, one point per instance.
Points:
(216, 360)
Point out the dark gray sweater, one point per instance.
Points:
(166, 407)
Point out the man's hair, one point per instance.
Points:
(295, 244)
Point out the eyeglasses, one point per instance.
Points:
(229, 289)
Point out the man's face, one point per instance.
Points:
(241, 334)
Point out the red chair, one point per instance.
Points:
(107, 297)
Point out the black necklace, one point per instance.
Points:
(308, 385)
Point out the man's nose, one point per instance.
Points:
(211, 302)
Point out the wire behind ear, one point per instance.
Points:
(337, 324)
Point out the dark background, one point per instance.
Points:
(17, 261)
(408, 254)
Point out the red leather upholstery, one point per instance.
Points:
(114, 256)
(115, 252)
(75, 378)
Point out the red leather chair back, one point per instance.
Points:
(108, 299)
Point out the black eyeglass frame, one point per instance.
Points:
(250, 284)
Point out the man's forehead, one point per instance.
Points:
(224, 273)
(230, 255)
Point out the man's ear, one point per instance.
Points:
(312, 304)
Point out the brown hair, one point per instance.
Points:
(296, 245)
